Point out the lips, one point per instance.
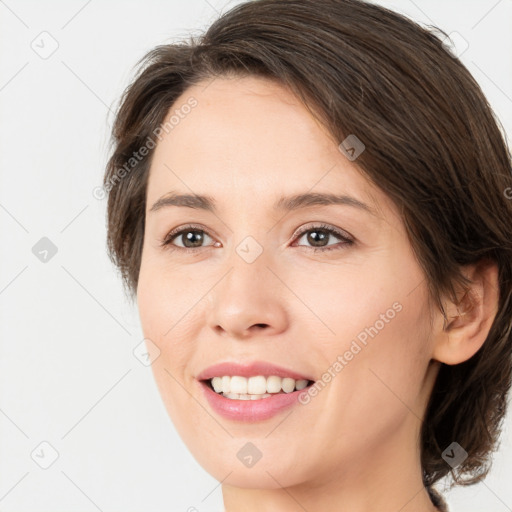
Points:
(250, 370)
(251, 410)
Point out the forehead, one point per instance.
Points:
(249, 138)
(235, 118)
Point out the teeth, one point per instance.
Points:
(238, 385)
(253, 388)
(255, 385)
(237, 396)
(225, 384)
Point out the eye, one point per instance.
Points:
(191, 237)
(319, 236)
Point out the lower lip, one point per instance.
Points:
(251, 410)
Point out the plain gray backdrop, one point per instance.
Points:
(82, 427)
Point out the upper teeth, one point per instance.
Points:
(257, 385)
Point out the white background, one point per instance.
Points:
(68, 374)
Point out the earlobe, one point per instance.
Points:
(468, 322)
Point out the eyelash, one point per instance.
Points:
(167, 240)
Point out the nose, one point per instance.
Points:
(249, 300)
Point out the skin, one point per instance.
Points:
(353, 447)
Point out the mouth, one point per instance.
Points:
(252, 407)
(252, 391)
(254, 388)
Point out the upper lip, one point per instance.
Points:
(249, 370)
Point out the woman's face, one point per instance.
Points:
(352, 316)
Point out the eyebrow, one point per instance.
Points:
(289, 203)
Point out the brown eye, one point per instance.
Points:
(318, 237)
(190, 238)
(186, 238)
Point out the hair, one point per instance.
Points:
(432, 144)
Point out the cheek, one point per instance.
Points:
(376, 350)
(163, 297)
(388, 380)
(381, 386)
(343, 302)
(167, 316)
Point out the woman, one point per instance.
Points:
(311, 205)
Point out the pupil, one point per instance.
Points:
(190, 238)
(320, 236)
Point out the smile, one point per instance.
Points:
(253, 391)
(247, 407)
(256, 387)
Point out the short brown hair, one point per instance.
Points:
(432, 143)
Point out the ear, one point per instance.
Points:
(469, 321)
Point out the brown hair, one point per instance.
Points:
(432, 144)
